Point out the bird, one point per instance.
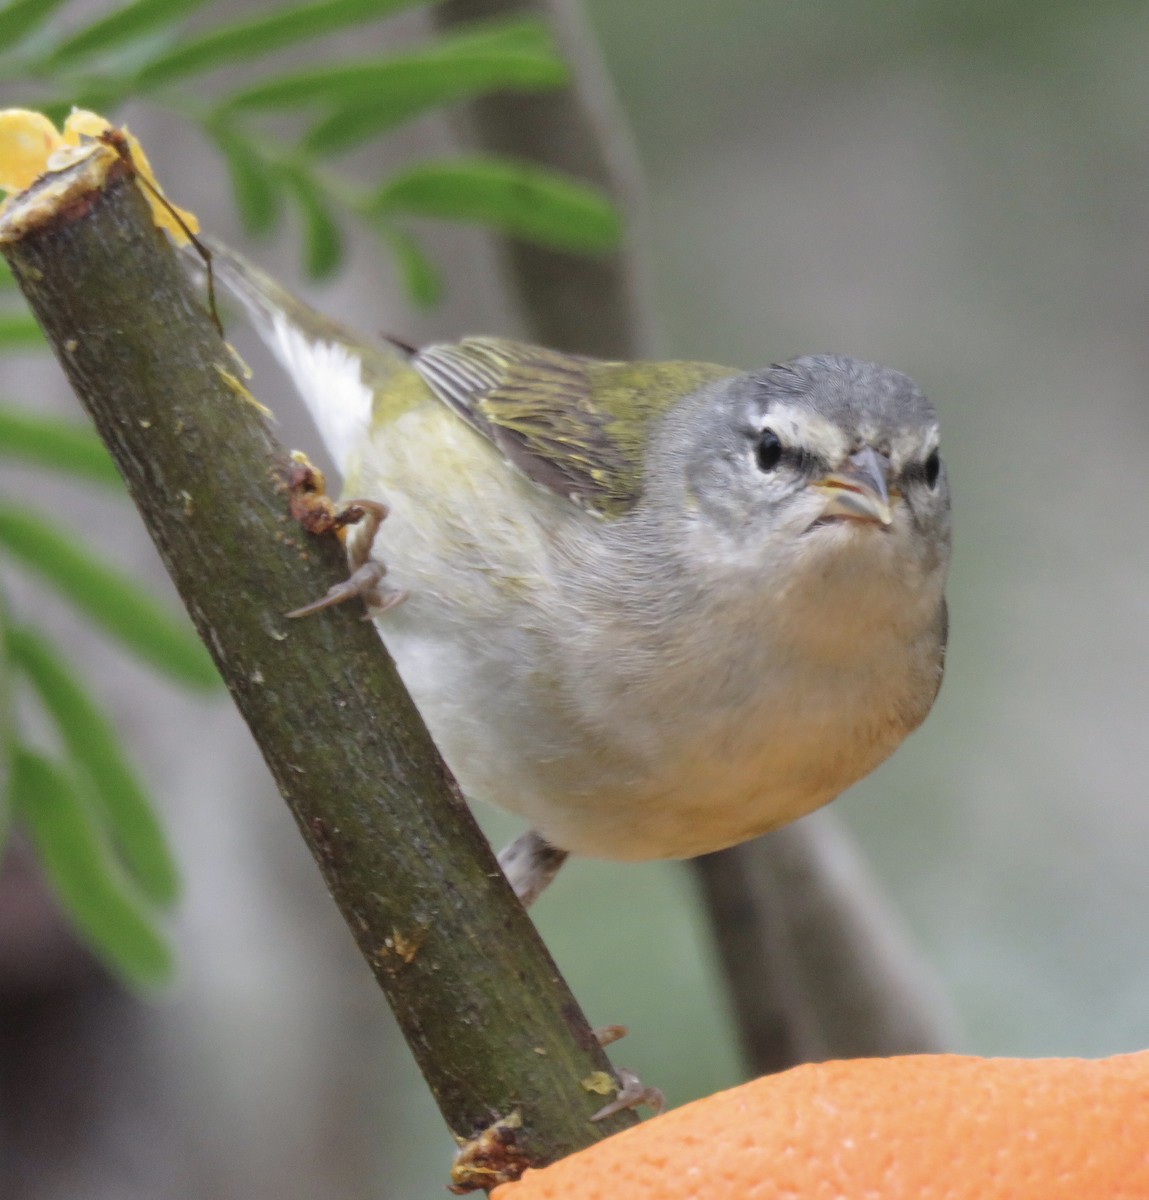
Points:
(653, 608)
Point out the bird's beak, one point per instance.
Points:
(860, 490)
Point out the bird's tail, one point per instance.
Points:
(336, 370)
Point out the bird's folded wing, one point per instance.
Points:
(575, 425)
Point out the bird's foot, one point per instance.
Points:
(530, 863)
(364, 581)
(317, 513)
(631, 1094)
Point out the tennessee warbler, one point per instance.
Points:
(655, 608)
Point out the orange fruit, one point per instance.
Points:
(923, 1127)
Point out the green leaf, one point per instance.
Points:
(421, 280)
(257, 36)
(514, 197)
(323, 243)
(414, 88)
(513, 55)
(18, 330)
(253, 183)
(124, 809)
(85, 876)
(20, 17)
(404, 85)
(63, 445)
(122, 25)
(525, 34)
(112, 600)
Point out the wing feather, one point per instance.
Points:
(575, 425)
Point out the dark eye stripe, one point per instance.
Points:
(928, 470)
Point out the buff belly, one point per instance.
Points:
(667, 782)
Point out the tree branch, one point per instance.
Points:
(816, 965)
(487, 1015)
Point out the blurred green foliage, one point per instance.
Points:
(143, 51)
(81, 805)
(84, 809)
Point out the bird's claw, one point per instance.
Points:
(366, 572)
(631, 1094)
(364, 581)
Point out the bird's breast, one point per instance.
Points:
(616, 754)
(579, 683)
(692, 776)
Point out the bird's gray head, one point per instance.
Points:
(821, 463)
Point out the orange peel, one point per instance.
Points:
(950, 1126)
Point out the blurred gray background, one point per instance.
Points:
(956, 188)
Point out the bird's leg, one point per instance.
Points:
(530, 863)
(314, 510)
(366, 578)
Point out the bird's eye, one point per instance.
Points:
(932, 468)
(768, 451)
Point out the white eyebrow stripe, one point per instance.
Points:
(800, 427)
(913, 447)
